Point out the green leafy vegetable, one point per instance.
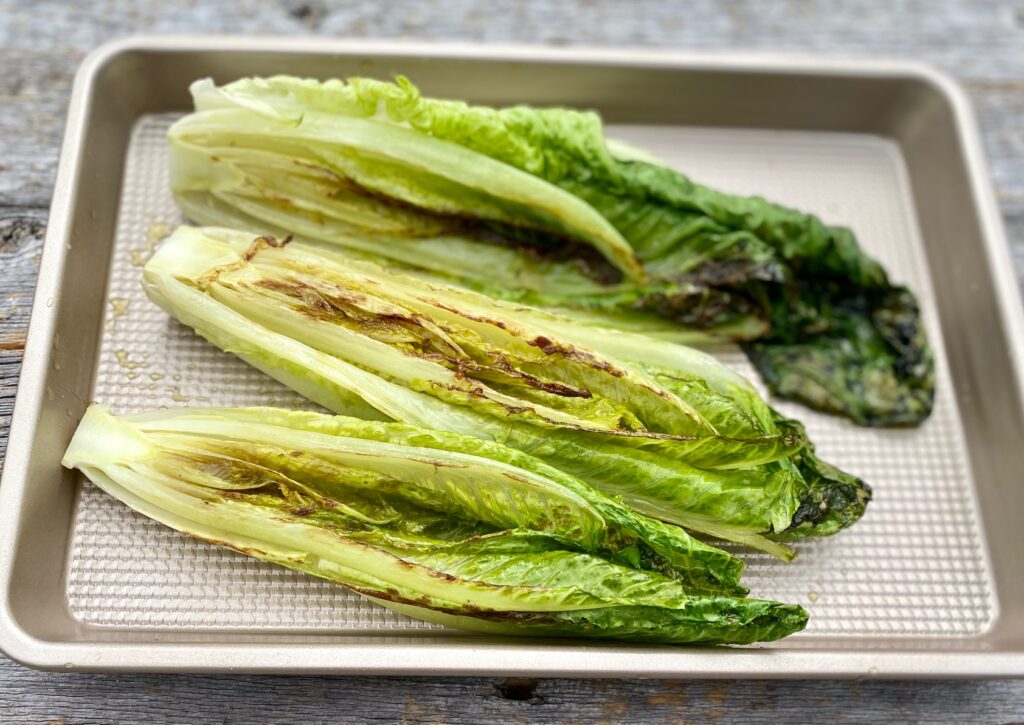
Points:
(535, 205)
(668, 429)
(440, 526)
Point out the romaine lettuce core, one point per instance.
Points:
(534, 205)
(669, 430)
(440, 526)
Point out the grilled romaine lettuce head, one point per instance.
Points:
(535, 205)
(671, 431)
(441, 526)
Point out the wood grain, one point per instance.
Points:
(41, 44)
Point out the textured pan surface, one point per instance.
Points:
(916, 565)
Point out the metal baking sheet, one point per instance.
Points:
(916, 588)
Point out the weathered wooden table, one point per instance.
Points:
(981, 42)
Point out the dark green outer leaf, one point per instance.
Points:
(705, 621)
(872, 363)
(832, 501)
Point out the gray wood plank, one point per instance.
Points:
(28, 696)
(41, 44)
(21, 244)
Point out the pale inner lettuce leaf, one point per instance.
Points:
(393, 162)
